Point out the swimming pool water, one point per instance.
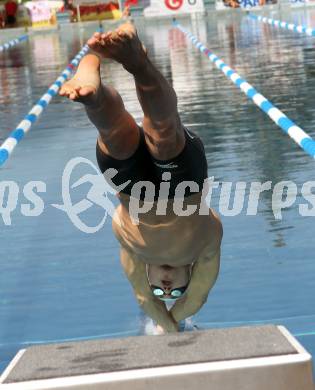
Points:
(58, 283)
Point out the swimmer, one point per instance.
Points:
(169, 257)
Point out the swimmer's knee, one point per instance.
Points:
(165, 139)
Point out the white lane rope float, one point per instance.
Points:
(13, 42)
(277, 116)
(285, 25)
(24, 126)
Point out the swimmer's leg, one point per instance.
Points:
(118, 131)
(163, 129)
(162, 125)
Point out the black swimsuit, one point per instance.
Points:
(189, 165)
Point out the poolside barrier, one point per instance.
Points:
(13, 42)
(23, 127)
(288, 26)
(288, 126)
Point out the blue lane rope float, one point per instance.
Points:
(13, 42)
(287, 26)
(288, 126)
(23, 127)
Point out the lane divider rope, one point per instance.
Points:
(13, 42)
(24, 126)
(277, 116)
(287, 26)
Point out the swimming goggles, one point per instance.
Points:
(175, 293)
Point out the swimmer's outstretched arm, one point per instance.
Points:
(136, 273)
(204, 276)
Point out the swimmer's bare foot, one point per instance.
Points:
(122, 45)
(85, 85)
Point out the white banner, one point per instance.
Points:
(173, 7)
(40, 11)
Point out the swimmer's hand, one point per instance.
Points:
(204, 275)
(135, 271)
(156, 309)
(160, 330)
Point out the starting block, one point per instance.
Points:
(244, 358)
